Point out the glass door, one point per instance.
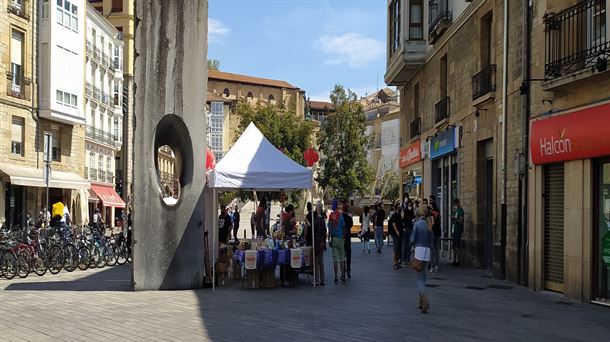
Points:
(602, 231)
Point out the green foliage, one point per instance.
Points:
(390, 187)
(213, 64)
(343, 146)
(283, 129)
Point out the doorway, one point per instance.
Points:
(553, 199)
(601, 231)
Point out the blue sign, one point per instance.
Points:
(417, 180)
(442, 144)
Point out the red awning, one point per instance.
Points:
(108, 196)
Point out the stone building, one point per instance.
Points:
(104, 114)
(42, 94)
(447, 59)
(318, 110)
(225, 90)
(120, 13)
(569, 174)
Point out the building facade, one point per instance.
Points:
(225, 90)
(104, 118)
(318, 110)
(464, 119)
(120, 13)
(569, 173)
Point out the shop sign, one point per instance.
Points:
(606, 249)
(411, 154)
(578, 135)
(442, 144)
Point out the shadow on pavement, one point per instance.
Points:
(116, 278)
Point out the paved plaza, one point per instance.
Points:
(378, 304)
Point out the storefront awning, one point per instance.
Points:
(33, 177)
(108, 196)
(93, 197)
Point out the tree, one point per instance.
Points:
(283, 129)
(390, 188)
(343, 145)
(213, 64)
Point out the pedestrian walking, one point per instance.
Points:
(347, 239)
(379, 219)
(335, 228)
(320, 243)
(236, 218)
(457, 218)
(408, 216)
(435, 216)
(365, 232)
(421, 240)
(395, 231)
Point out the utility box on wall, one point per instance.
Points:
(170, 89)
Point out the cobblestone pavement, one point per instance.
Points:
(377, 304)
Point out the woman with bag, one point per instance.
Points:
(421, 240)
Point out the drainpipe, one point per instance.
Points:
(524, 155)
(34, 108)
(503, 213)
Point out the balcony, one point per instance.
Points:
(97, 94)
(440, 18)
(96, 53)
(405, 62)
(484, 82)
(100, 136)
(576, 42)
(104, 61)
(415, 128)
(18, 10)
(18, 86)
(441, 110)
(105, 99)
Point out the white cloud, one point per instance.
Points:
(350, 49)
(216, 30)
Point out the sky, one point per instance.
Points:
(311, 44)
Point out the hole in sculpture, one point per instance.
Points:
(173, 158)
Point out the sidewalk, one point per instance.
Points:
(378, 304)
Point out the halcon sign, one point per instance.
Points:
(410, 155)
(581, 134)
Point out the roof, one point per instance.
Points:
(230, 77)
(321, 105)
(217, 98)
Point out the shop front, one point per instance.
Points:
(24, 194)
(569, 210)
(444, 171)
(411, 167)
(104, 197)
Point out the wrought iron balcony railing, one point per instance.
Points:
(97, 93)
(415, 128)
(100, 136)
(442, 110)
(484, 82)
(18, 86)
(104, 60)
(576, 38)
(96, 53)
(18, 10)
(89, 48)
(439, 11)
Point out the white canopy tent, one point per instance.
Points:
(253, 163)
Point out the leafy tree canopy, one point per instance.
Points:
(390, 187)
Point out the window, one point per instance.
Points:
(17, 38)
(226, 92)
(108, 128)
(91, 160)
(100, 162)
(115, 129)
(67, 14)
(117, 94)
(394, 40)
(17, 126)
(66, 99)
(250, 96)
(108, 164)
(55, 145)
(271, 98)
(17, 3)
(486, 35)
(416, 22)
(217, 107)
(45, 9)
(117, 5)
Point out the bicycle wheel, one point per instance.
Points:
(96, 256)
(84, 258)
(56, 259)
(9, 265)
(23, 264)
(121, 256)
(111, 258)
(71, 257)
(40, 263)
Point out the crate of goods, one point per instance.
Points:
(296, 257)
(250, 259)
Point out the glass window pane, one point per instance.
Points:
(60, 3)
(74, 100)
(59, 96)
(67, 5)
(74, 10)
(67, 99)
(67, 19)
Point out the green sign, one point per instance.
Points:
(606, 248)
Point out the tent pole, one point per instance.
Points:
(214, 239)
(313, 236)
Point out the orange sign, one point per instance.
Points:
(581, 134)
(411, 154)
